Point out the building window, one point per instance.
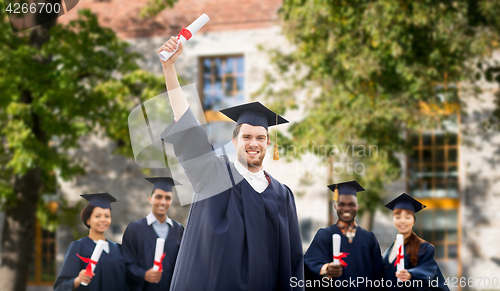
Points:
(42, 269)
(433, 178)
(433, 164)
(223, 82)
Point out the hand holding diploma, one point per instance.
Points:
(88, 272)
(83, 279)
(334, 271)
(184, 35)
(403, 275)
(153, 275)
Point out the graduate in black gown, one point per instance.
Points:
(109, 273)
(242, 231)
(139, 241)
(418, 254)
(362, 259)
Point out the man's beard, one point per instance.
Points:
(255, 162)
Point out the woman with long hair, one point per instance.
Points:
(421, 272)
(109, 273)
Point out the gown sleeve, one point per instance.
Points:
(206, 172)
(70, 269)
(427, 268)
(295, 239)
(317, 254)
(376, 259)
(135, 273)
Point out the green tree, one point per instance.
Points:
(366, 67)
(57, 83)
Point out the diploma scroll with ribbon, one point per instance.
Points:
(337, 255)
(94, 259)
(159, 255)
(336, 248)
(400, 258)
(186, 33)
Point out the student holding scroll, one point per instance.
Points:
(82, 268)
(418, 255)
(242, 232)
(359, 255)
(143, 237)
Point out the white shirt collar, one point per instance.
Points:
(245, 172)
(152, 218)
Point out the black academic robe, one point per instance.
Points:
(138, 245)
(236, 238)
(426, 268)
(364, 259)
(109, 271)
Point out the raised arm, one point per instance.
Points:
(177, 99)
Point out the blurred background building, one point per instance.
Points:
(453, 169)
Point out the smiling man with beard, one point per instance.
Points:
(242, 231)
(362, 261)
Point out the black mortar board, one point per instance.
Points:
(102, 200)
(163, 183)
(405, 201)
(346, 188)
(255, 114)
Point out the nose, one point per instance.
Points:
(253, 142)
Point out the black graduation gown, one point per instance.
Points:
(238, 239)
(109, 271)
(426, 268)
(138, 245)
(364, 259)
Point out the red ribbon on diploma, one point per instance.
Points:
(88, 270)
(184, 32)
(340, 257)
(399, 257)
(159, 264)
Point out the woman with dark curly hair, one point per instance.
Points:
(109, 272)
(421, 271)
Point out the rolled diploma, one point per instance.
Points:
(336, 248)
(400, 242)
(160, 244)
(193, 28)
(96, 255)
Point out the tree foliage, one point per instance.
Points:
(58, 83)
(83, 80)
(153, 7)
(367, 67)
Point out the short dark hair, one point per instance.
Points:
(236, 132)
(86, 213)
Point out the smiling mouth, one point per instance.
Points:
(252, 152)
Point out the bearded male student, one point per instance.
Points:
(242, 231)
